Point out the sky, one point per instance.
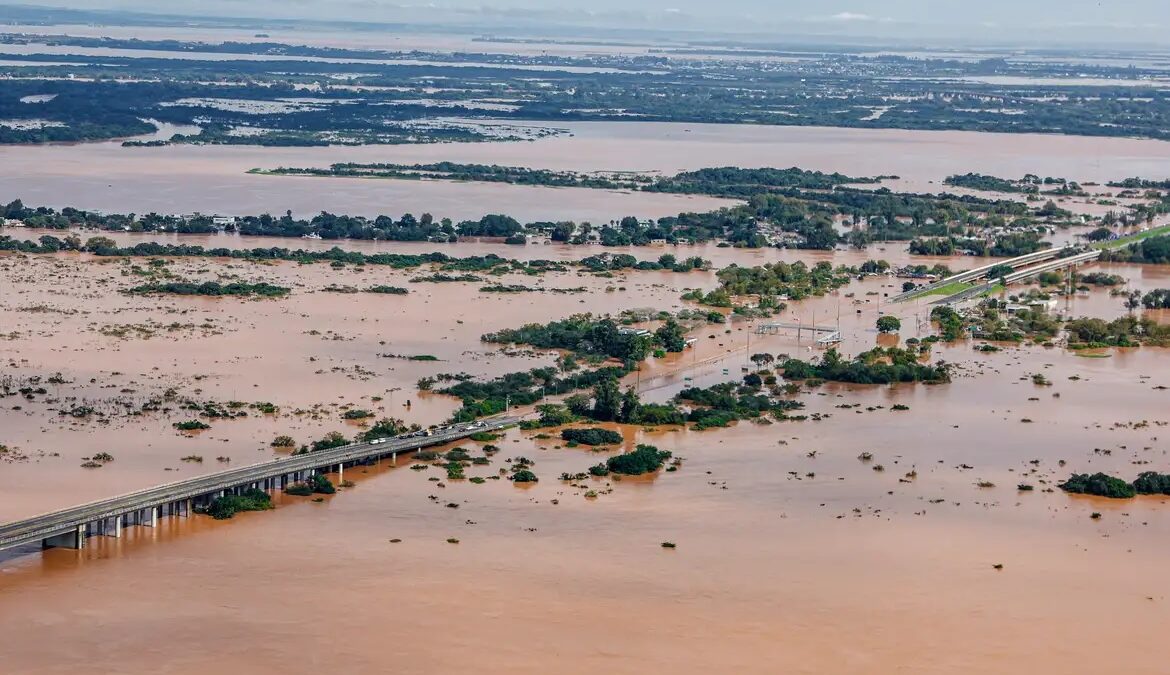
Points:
(1026, 21)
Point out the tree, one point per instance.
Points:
(579, 405)
(889, 324)
(99, 244)
(333, 439)
(762, 359)
(563, 231)
(999, 271)
(908, 286)
(553, 415)
(386, 428)
(607, 400)
(671, 336)
(630, 406)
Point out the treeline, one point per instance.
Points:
(1029, 184)
(726, 181)
(1104, 485)
(794, 280)
(1140, 184)
(211, 289)
(877, 366)
(589, 336)
(1157, 299)
(722, 404)
(1155, 250)
(483, 173)
(1006, 246)
(712, 407)
(780, 215)
(1127, 331)
(483, 399)
(492, 263)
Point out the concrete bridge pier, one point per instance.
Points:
(109, 527)
(74, 539)
(181, 508)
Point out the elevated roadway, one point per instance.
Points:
(981, 272)
(70, 527)
(1017, 277)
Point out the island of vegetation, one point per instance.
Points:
(1104, 485)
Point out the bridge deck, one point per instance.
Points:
(48, 525)
(979, 272)
(1021, 275)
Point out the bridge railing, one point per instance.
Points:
(54, 522)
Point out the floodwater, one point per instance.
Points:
(792, 555)
(895, 253)
(374, 39)
(40, 50)
(212, 179)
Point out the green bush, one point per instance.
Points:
(1152, 483)
(592, 437)
(298, 490)
(644, 459)
(222, 508)
(321, 485)
(1098, 484)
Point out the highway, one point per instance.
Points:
(1016, 277)
(74, 521)
(979, 273)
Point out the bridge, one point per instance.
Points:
(1016, 277)
(981, 272)
(70, 527)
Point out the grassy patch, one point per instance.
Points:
(951, 288)
(1133, 238)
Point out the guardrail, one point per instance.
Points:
(979, 272)
(1018, 276)
(59, 522)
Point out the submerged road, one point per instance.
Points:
(70, 527)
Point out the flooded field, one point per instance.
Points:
(910, 529)
(793, 555)
(212, 179)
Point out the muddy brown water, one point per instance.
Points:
(212, 179)
(785, 562)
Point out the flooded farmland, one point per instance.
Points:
(792, 554)
(885, 532)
